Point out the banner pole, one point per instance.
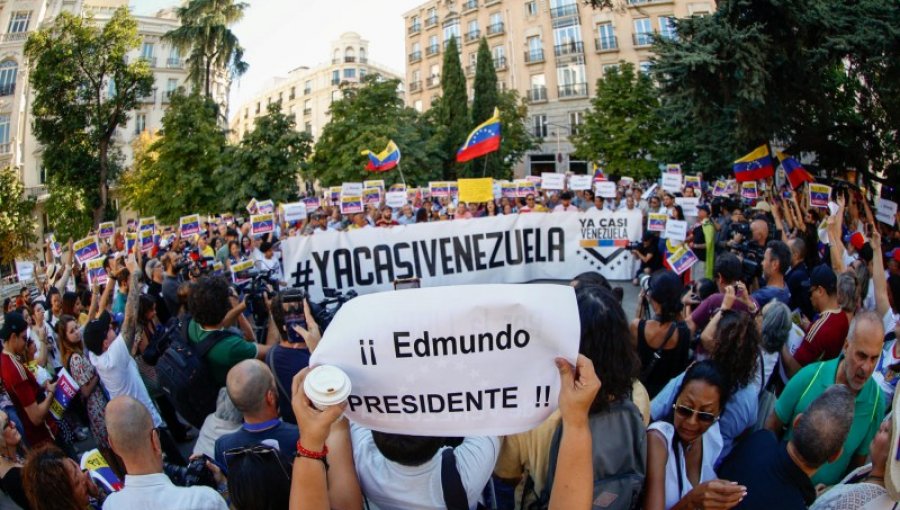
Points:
(402, 178)
(484, 168)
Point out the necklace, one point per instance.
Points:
(18, 459)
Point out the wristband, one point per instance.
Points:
(309, 454)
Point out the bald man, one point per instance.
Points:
(252, 389)
(134, 439)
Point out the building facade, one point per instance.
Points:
(306, 93)
(551, 51)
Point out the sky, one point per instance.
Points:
(280, 35)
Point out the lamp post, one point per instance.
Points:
(556, 160)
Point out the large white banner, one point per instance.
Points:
(504, 249)
(458, 361)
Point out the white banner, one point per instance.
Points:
(671, 182)
(25, 270)
(459, 361)
(395, 199)
(886, 211)
(676, 229)
(605, 189)
(550, 180)
(580, 182)
(503, 249)
(294, 212)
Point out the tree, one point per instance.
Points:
(516, 139)
(83, 90)
(68, 212)
(451, 112)
(483, 104)
(266, 164)
(621, 129)
(366, 118)
(16, 223)
(139, 184)
(205, 36)
(177, 174)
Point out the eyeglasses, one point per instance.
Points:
(687, 412)
(259, 450)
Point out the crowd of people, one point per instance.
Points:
(762, 377)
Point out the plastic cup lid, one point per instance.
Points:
(327, 385)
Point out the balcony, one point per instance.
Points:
(433, 81)
(491, 2)
(447, 42)
(415, 56)
(335, 81)
(534, 56)
(572, 90)
(6, 148)
(500, 63)
(7, 89)
(148, 99)
(470, 5)
(473, 35)
(415, 86)
(570, 48)
(307, 92)
(495, 29)
(36, 191)
(151, 61)
(642, 38)
(470, 69)
(606, 43)
(414, 29)
(167, 96)
(349, 59)
(307, 111)
(431, 21)
(14, 37)
(564, 11)
(363, 60)
(434, 49)
(174, 63)
(537, 95)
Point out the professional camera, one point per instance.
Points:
(741, 228)
(195, 473)
(751, 260)
(635, 245)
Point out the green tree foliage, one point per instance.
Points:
(16, 223)
(68, 212)
(206, 37)
(366, 118)
(516, 139)
(452, 111)
(266, 164)
(83, 89)
(178, 176)
(621, 130)
(483, 104)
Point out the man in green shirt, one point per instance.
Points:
(214, 309)
(853, 368)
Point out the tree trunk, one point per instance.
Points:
(104, 185)
(208, 80)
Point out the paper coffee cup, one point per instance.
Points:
(326, 386)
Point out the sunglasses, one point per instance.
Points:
(687, 412)
(258, 450)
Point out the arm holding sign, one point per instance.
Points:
(882, 304)
(131, 304)
(67, 268)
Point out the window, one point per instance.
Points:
(349, 73)
(432, 18)
(666, 27)
(433, 41)
(451, 30)
(644, 66)
(8, 70)
(499, 53)
(418, 105)
(572, 80)
(147, 50)
(416, 76)
(473, 59)
(307, 87)
(535, 49)
(606, 37)
(43, 174)
(140, 123)
(539, 123)
(335, 77)
(362, 56)
(171, 86)
(435, 70)
(472, 31)
(567, 40)
(495, 25)
(293, 93)
(111, 88)
(174, 57)
(576, 119)
(349, 55)
(531, 8)
(307, 127)
(642, 32)
(18, 22)
(336, 57)
(362, 73)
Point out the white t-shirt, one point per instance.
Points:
(120, 376)
(53, 356)
(391, 486)
(152, 492)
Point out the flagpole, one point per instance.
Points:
(402, 178)
(484, 168)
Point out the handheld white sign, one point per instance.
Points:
(352, 189)
(395, 199)
(580, 182)
(671, 182)
(605, 189)
(886, 211)
(472, 360)
(688, 205)
(552, 180)
(676, 230)
(293, 212)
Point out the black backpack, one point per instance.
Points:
(184, 375)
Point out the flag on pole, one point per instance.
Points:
(598, 173)
(484, 139)
(794, 171)
(384, 160)
(754, 166)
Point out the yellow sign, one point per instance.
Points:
(476, 190)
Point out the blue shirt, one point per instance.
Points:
(740, 411)
(285, 363)
(766, 294)
(284, 434)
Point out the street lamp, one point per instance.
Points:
(558, 154)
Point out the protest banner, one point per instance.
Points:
(86, 249)
(130, 239)
(98, 468)
(675, 230)
(605, 189)
(626, 181)
(688, 205)
(352, 205)
(55, 247)
(189, 225)
(553, 180)
(671, 182)
(508, 248)
(372, 196)
(398, 187)
(476, 190)
(731, 187)
(886, 211)
(252, 207)
(692, 181)
(656, 222)
(650, 192)
(24, 270)
(673, 168)
(460, 361)
(265, 207)
(311, 203)
(395, 199)
(262, 224)
(819, 194)
(352, 189)
(454, 188)
(239, 272)
(228, 218)
(147, 224)
(96, 273)
(720, 189)
(682, 259)
(508, 190)
(334, 195)
(439, 188)
(293, 212)
(375, 183)
(525, 188)
(749, 190)
(106, 230)
(536, 179)
(146, 240)
(66, 389)
(496, 190)
(580, 182)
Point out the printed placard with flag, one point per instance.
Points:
(372, 196)
(755, 166)
(598, 173)
(262, 224)
(749, 190)
(484, 139)
(106, 230)
(819, 194)
(189, 225)
(312, 203)
(384, 160)
(793, 170)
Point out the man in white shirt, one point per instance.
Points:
(398, 472)
(565, 205)
(136, 441)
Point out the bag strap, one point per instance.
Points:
(762, 374)
(207, 344)
(657, 354)
(808, 386)
(270, 360)
(455, 496)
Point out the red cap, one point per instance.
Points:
(857, 240)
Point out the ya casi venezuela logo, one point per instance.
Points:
(603, 240)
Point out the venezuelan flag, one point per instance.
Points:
(598, 173)
(794, 171)
(484, 139)
(754, 166)
(385, 160)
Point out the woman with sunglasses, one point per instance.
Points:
(11, 462)
(681, 451)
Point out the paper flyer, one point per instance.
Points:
(508, 190)
(251, 206)
(106, 230)
(54, 246)
(819, 195)
(673, 168)
(439, 188)
(352, 204)
(147, 224)
(86, 249)
(682, 259)
(605, 189)
(376, 183)
(692, 181)
(352, 189)
(656, 222)
(671, 182)
(398, 187)
(395, 199)
(720, 189)
(146, 237)
(580, 182)
(372, 196)
(239, 271)
(293, 212)
(262, 224)
(66, 389)
(553, 181)
(96, 465)
(312, 203)
(525, 188)
(189, 225)
(96, 273)
(886, 211)
(749, 190)
(265, 207)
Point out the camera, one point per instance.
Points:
(195, 473)
(292, 302)
(751, 258)
(634, 245)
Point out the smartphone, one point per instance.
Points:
(407, 283)
(294, 316)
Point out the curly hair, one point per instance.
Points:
(737, 347)
(208, 300)
(606, 340)
(66, 349)
(46, 480)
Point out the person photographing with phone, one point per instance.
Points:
(297, 334)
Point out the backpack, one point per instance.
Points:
(455, 497)
(185, 377)
(619, 457)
